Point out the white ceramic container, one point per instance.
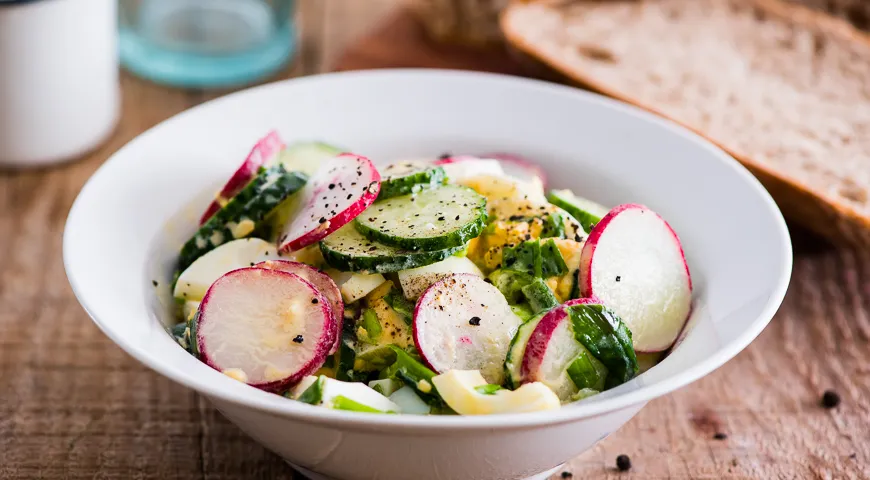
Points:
(59, 95)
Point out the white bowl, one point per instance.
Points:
(127, 224)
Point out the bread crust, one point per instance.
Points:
(839, 222)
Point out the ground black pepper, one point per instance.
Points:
(154, 282)
(720, 436)
(315, 301)
(567, 474)
(623, 463)
(474, 321)
(298, 339)
(618, 278)
(830, 399)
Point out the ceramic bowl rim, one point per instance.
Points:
(357, 421)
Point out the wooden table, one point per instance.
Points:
(73, 405)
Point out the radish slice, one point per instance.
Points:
(341, 189)
(634, 263)
(321, 282)
(465, 166)
(464, 323)
(264, 150)
(549, 350)
(267, 328)
(519, 167)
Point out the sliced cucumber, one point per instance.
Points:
(513, 362)
(241, 216)
(349, 251)
(409, 177)
(437, 219)
(587, 212)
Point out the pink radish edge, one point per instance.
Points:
(595, 234)
(321, 282)
(342, 218)
(455, 159)
(536, 347)
(265, 148)
(585, 278)
(310, 367)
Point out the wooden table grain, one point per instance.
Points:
(73, 405)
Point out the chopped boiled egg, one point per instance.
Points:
(354, 286)
(467, 393)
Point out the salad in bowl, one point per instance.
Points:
(450, 285)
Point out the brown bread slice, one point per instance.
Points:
(783, 89)
(856, 12)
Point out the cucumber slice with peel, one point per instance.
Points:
(404, 178)
(241, 216)
(349, 251)
(513, 361)
(437, 219)
(587, 212)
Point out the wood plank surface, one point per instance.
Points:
(73, 405)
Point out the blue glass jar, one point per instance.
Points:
(206, 43)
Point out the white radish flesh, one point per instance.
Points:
(321, 282)
(464, 323)
(244, 252)
(634, 263)
(269, 327)
(415, 281)
(341, 189)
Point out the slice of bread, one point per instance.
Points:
(784, 89)
(856, 12)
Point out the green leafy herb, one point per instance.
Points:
(552, 263)
(372, 325)
(414, 374)
(340, 402)
(540, 297)
(523, 311)
(587, 372)
(346, 359)
(510, 284)
(575, 285)
(488, 389)
(607, 339)
(313, 395)
(535, 258)
(553, 225)
(400, 305)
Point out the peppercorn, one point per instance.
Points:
(623, 463)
